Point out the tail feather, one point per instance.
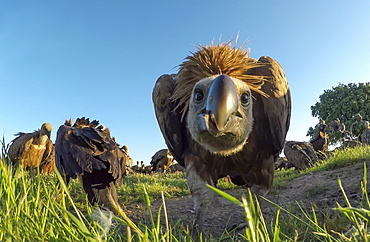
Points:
(103, 193)
(106, 197)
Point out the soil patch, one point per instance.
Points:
(320, 189)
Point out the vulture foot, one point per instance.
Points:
(203, 196)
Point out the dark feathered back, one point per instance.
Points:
(301, 154)
(82, 148)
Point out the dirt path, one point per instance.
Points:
(321, 189)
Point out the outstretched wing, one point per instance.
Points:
(277, 106)
(80, 150)
(168, 119)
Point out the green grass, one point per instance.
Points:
(337, 159)
(33, 209)
(173, 185)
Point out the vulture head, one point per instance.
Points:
(220, 114)
(322, 125)
(46, 129)
(125, 148)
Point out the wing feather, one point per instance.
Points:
(277, 106)
(80, 150)
(48, 160)
(169, 121)
(19, 145)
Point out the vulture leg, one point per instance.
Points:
(265, 178)
(203, 196)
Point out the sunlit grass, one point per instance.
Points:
(33, 209)
(337, 159)
(173, 185)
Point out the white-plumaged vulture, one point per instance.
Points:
(301, 154)
(87, 150)
(224, 114)
(33, 150)
(161, 160)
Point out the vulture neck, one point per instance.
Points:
(41, 139)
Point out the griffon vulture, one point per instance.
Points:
(283, 163)
(129, 161)
(161, 160)
(301, 154)
(346, 139)
(87, 150)
(224, 114)
(34, 150)
(176, 167)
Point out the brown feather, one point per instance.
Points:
(253, 164)
(301, 154)
(215, 60)
(89, 151)
(161, 160)
(321, 141)
(33, 149)
(48, 166)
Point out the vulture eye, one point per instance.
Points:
(198, 95)
(244, 98)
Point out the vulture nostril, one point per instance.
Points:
(237, 114)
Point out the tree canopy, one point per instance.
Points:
(343, 102)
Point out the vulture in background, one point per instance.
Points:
(224, 114)
(87, 150)
(365, 136)
(129, 161)
(321, 141)
(176, 167)
(347, 140)
(336, 125)
(161, 160)
(283, 163)
(136, 168)
(301, 154)
(33, 150)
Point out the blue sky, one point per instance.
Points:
(100, 59)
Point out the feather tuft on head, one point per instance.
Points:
(215, 60)
(68, 122)
(85, 122)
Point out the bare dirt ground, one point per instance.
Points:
(319, 189)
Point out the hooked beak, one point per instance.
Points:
(222, 101)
